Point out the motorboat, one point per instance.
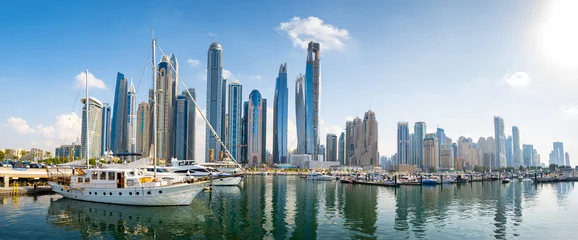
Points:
(318, 177)
(126, 187)
(429, 182)
(506, 180)
(191, 168)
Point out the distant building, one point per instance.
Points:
(447, 160)
(509, 152)
(322, 152)
(142, 129)
(191, 126)
(350, 140)
(131, 121)
(105, 135)
(280, 117)
(215, 112)
(331, 148)
(166, 98)
(312, 93)
(366, 136)
(528, 155)
(256, 129)
(517, 151)
(500, 142)
(567, 159)
(68, 152)
(234, 138)
(94, 126)
(441, 135)
(559, 153)
(430, 152)
(300, 114)
(403, 151)
(341, 149)
(181, 124)
(118, 135)
(419, 130)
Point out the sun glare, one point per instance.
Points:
(559, 34)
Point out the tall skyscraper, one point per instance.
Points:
(166, 98)
(300, 113)
(403, 143)
(517, 151)
(419, 130)
(191, 118)
(441, 135)
(119, 113)
(500, 138)
(215, 103)
(106, 118)
(235, 113)
(528, 155)
(350, 140)
(331, 147)
(341, 151)
(181, 125)
(366, 152)
(280, 112)
(430, 152)
(356, 140)
(256, 124)
(509, 152)
(455, 148)
(131, 121)
(245, 133)
(312, 92)
(447, 160)
(143, 128)
(559, 153)
(567, 159)
(94, 127)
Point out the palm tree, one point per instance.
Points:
(48, 154)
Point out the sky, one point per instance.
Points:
(451, 64)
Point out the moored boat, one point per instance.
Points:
(318, 177)
(506, 180)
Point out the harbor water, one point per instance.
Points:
(288, 207)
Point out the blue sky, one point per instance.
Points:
(452, 64)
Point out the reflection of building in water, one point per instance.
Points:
(290, 207)
(360, 209)
(306, 219)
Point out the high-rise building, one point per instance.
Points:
(528, 155)
(331, 147)
(245, 133)
(403, 143)
(355, 128)
(430, 152)
(235, 113)
(119, 113)
(280, 111)
(455, 148)
(509, 152)
(567, 159)
(215, 102)
(447, 158)
(312, 92)
(300, 113)
(517, 151)
(94, 127)
(441, 135)
(341, 151)
(191, 118)
(500, 138)
(559, 153)
(419, 130)
(536, 156)
(106, 118)
(256, 129)
(131, 121)
(366, 136)
(166, 98)
(322, 153)
(142, 129)
(411, 148)
(181, 125)
(350, 140)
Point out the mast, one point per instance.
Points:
(154, 105)
(86, 106)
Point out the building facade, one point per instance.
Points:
(181, 131)
(131, 123)
(403, 151)
(215, 100)
(517, 150)
(300, 113)
(235, 114)
(256, 129)
(528, 155)
(191, 119)
(106, 120)
(559, 153)
(142, 129)
(366, 153)
(312, 93)
(93, 127)
(350, 140)
(331, 148)
(430, 153)
(509, 152)
(419, 130)
(500, 139)
(280, 117)
(119, 113)
(447, 160)
(341, 151)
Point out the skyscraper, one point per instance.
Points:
(166, 98)
(419, 130)
(215, 103)
(528, 155)
(245, 133)
(356, 140)
(234, 120)
(142, 132)
(403, 143)
(559, 153)
(131, 121)
(280, 111)
(430, 152)
(94, 127)
(191, 118)
(312, 91)
(517, 151)
(300, 113)
(181, 125)
(106, 118)
(567, 159)
(256, 129)
(500, 138)
(441, 135)
(341, 151)
(509, 152)
(119, 113)
(366, 152)
(331, 147)
(350, 140)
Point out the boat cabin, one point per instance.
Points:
(112, 178)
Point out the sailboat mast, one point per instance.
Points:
(86, 106)
(154, 106)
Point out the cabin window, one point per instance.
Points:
(131, 174)
(111, 176)
(130, 182)
(80, 180)
(95, 175)
(87, 180)
(102, 175)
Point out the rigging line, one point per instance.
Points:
(73, 107)
(143, 72)
(201, 112)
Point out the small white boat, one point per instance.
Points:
(506, 180)
(527, 180)
(318, 177)
(232, 180)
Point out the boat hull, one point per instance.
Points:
(228, 181)
(181, 194)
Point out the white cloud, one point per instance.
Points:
(518, 79)
(194, 62)
(19, 125)
(569, 109)
(93, 82)
(258, 77)
(303, 30)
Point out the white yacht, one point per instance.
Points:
(318, 177)
(192, 168)
(126, 187)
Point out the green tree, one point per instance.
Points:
(2, 155)
(22, 153)
(48, 154)
(9, 153)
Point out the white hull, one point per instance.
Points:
(173, 195)
(320, 178)
(228, 181)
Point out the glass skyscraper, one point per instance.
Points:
(528, 155)
(94, 127)
(181, 125)
(517, 151)
(331, 148)
(191, 118)
(280, 111)
(419, 130)
(341, 153)
(105, 135)
(234, 137)
(500, 139)
(300, 113)
(559, 153)
(312, 91)
(131, 121)
(403, 151)
(509, 152)
(215, 99)
(256, 128)
(119, 113)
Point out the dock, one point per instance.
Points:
(24, 190)
(13, 174)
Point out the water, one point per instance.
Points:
(286, 207)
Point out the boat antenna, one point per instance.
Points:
(86, 111)
(154, 105)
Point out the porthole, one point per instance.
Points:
(90, 193)
(130, 193)
(119, 193)
(61, 189)
(160, 191)
(149, 192)
(95, 193)
(104, 193)
(137, 193)
(67, 190)
(110, 193)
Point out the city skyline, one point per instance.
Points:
(513, 86)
